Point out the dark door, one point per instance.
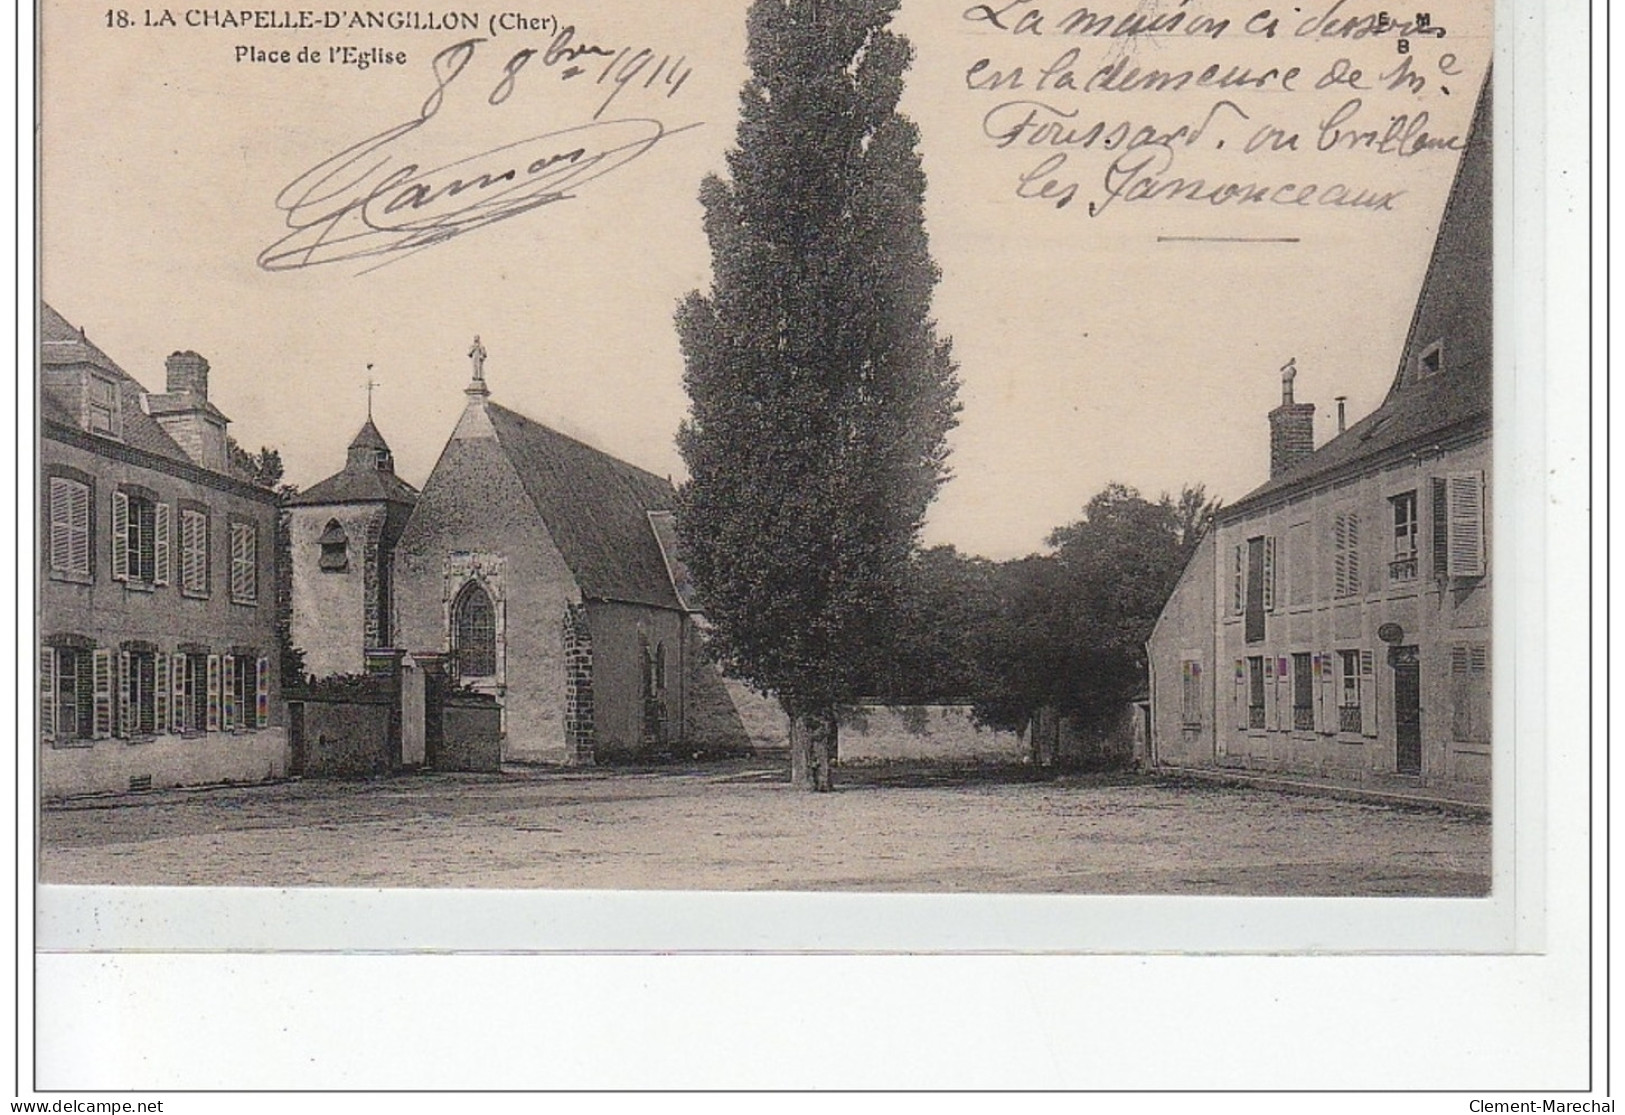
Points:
(1407, 710)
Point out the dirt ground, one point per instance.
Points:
(740, 826)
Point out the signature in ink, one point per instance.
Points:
(374, 200)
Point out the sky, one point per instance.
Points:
(1140, 344)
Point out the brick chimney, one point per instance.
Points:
(1292, 427)
(185, 413)
(188, 372)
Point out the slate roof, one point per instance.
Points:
(1454, 309)
(64, 346)
(596, 508)
(361, 481)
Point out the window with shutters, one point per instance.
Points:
(1402, 510)
(1348, 705)
(138, 714)
(245, 587)
(1470, 693)
(140, 539)
(191, 696)
(1346, 554)
(69, 519)
(1190, 700)
(1303, 693)
(194, 556)
(1460, 545)
(1255, 692)
(71, 704)
(242, 678)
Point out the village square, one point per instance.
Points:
(539, 665)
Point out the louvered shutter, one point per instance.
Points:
(1355, 585)
(177, 682)
(262, 692)
(1441, 528)
(1324, 714)
(160, 693)
(1241, 694)
(1340, 551)
(1478, 678)
(101, 694)
(64, 495)
(1239, 596)
(47, 692)
(1466, 539)
(212, 711)
(1368, 693)
(160, 544)
(1269, 574)
(125, 708)
(121, 537)
(228, 701)
(1273, 721)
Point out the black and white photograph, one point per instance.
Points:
(811, 448)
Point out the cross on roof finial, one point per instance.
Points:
(371, 383)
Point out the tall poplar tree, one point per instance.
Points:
(821, 395)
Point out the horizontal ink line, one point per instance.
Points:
(1228, 239)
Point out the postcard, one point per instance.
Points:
(816, 475)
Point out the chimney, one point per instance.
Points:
(1342, 413)
(185, 413)
(188, 372)
(1292, 427)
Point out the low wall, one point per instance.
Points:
(470, 737)
(945, 732)
(110, 765)
(343, 738)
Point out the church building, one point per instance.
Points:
(545, 570)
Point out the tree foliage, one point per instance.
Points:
(820, 391)
(1071, 625)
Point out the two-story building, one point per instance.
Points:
(1335, 624)
(157, 601)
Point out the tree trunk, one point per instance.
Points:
(813, 749)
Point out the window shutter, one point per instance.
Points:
(1368, 694)
(160, 544)
(1269, 574)
(1460, 708)
(125, 712)
(1272, 722)
(1466, 538)
(212, 711)
(121, 537)
(101, 694)
(160, 693)
(228, 704)
(1478, 678)
(177, 681)
(1322, 682)
(1354, 586)
(262, 692)
(47, 692)
(1340, 550)
(61, 524)
(1241, 694)
(1441, 528)
(1239, 597)
(1283, 692)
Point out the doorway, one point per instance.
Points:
(1406, 662)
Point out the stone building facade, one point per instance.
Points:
(157, 601)
(1336, 623)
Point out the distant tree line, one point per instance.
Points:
(1064, 629)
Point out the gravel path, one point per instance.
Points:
(740, 826)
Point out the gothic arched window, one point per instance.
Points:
(474, 631)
